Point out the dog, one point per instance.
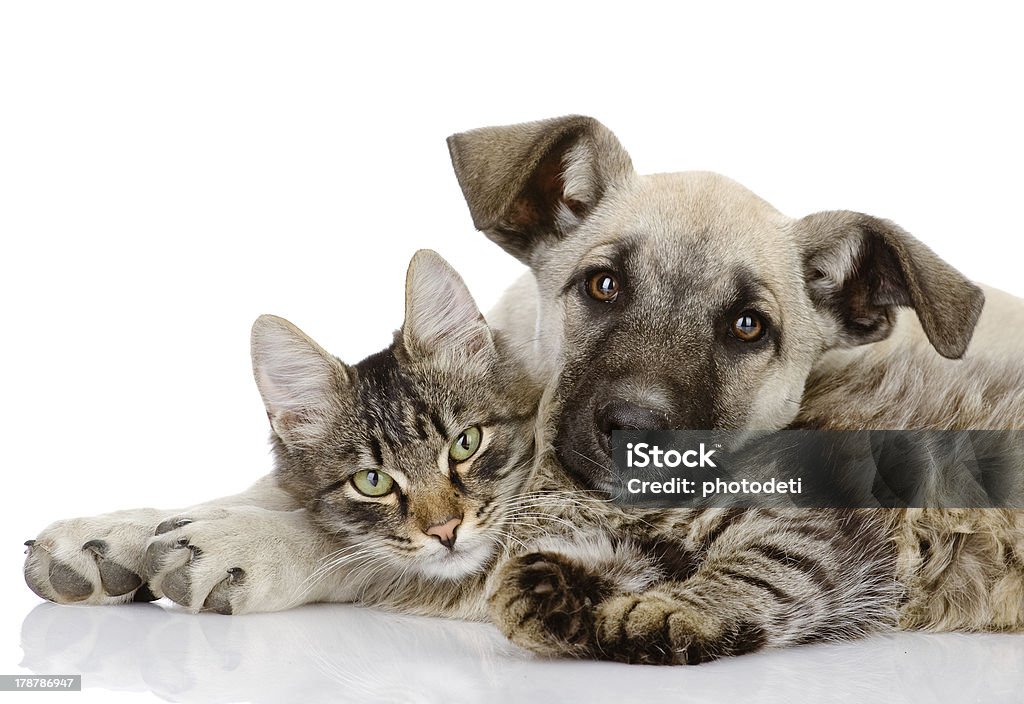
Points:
(683, 300)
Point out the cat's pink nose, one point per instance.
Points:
(445, 532)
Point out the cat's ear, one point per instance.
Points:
(299, 381)
(440, 314)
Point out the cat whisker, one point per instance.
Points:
(332, 563)
(548, 517)
(378, 566)
(591, 460)
(504, 540)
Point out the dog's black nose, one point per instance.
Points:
(619, 414)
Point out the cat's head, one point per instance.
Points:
(412, 454)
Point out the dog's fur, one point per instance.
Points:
(867, 329)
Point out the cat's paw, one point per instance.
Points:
(95, 560)
(657, 628)
(238, 560)
(645, 628)
(547, 603)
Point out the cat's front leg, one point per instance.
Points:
(246, 559)
(552, 605)
(728, 586)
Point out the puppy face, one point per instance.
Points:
(683, 300)
(678, 303)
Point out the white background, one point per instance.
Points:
(170, 171)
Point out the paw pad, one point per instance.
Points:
(116, 579)
(68, 583)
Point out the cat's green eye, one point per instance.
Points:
(466, 445)
(370, 482)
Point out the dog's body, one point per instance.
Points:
(900, 382)
(678, 300)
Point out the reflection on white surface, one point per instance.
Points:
(336, 653)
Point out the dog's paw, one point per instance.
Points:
(96, 560)
(236, 560)
(546, 603)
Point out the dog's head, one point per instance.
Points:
(683, 300)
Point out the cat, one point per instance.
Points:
(402, 469)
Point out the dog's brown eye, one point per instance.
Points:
(603, 286)
(749, 326)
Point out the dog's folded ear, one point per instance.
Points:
(529, 183)
(861, 268)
